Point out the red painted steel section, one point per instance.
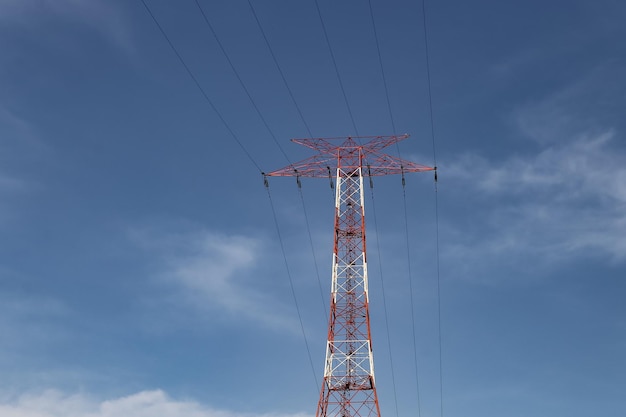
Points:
(345, 154)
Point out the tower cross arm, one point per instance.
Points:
(380, 142)
(383, 164)
(316, 166)
(326, 145)
(349, 155)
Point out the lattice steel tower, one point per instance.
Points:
(348, 388)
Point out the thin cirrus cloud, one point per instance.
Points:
(592, 103)
(215, 273)
(562, 201)
(17, 131)
(566, 200)
(152, 403)
(27, 321)
(8, 183)
(108, 19)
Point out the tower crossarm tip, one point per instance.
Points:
(383, 164)
(315, 166)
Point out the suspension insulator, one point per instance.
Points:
(330, 178)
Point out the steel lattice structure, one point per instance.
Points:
(348, 388)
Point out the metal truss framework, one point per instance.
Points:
(348, 388)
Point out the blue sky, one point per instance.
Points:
(140, 269)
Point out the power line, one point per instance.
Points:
(393, 127)
(382, 284)
(234, 136)
(332, 55)
(270, 131)
(438, 297)
(408, 252)
(382, 71)
(293, 291)
(282, 75)
(317, 272)
(243, 85)
(406, 221)
(432, 131)
(306, 125)
(260, 114)
(430, 90)
(197, 83)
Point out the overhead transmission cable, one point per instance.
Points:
(197, 83)
(432, 131)
(430, 89)
(414, 325)
(306, 125)
(293, 291)
(243, 85)
(382, 284)
(282, 74)
(382, 71)
(406, 221)
(269, 129)
(386, 313)
(252, 160)
(271, 133)
(317, 271)
(332, 56)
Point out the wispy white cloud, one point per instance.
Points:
(16, 129)
(567, 200)
(24, 319)
(54, 403)
(584, 168)
(27, 323)
(8, 183)
(216, 273)
(586, 106)
(105, 17)
(19, 142)
(561, 198)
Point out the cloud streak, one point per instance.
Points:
(103, 16)
(54, 403)
(568, 200)
(559, 200)
(216, 273)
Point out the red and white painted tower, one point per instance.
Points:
(349, 388)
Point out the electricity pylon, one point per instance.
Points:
(348, 388)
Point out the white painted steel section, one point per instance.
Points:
(365, 281)
(333, 287)
(348, 361)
